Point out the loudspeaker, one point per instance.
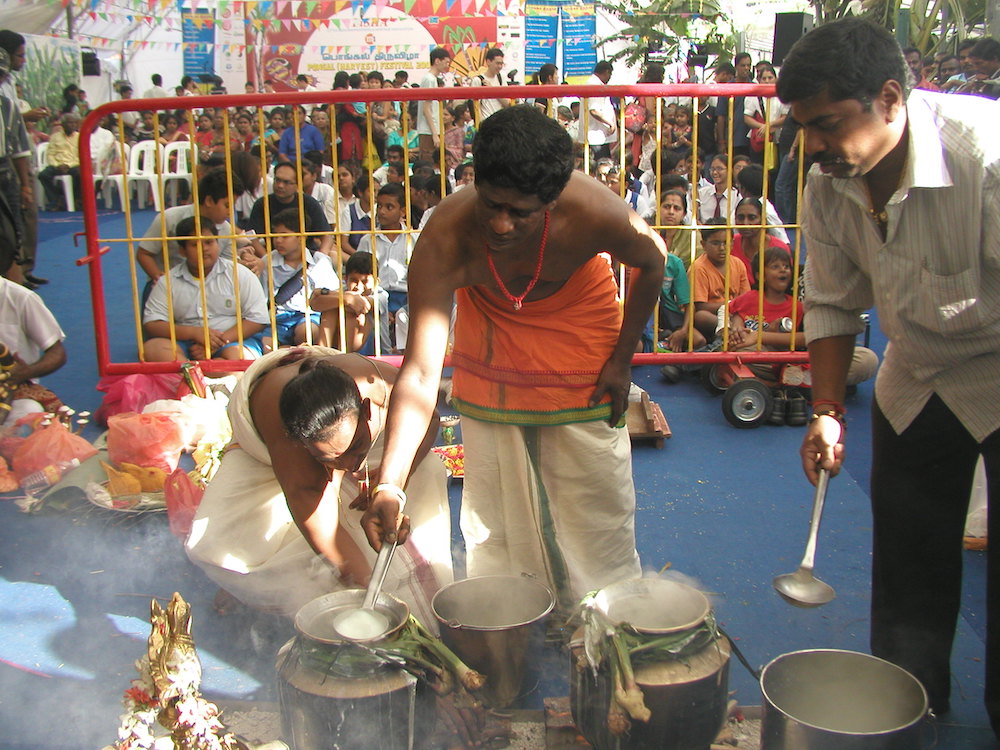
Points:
(788, 29)
(91, 65)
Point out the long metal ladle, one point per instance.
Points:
(802, 588)
(367, 617)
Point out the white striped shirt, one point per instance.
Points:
(935, 281)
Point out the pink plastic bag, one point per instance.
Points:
(153, 439)
(50, 446)
(183, 498)
(132, 392)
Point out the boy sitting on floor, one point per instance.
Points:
(290, 287)
(361, 295)
(393, 245)
(709, 288)
(200, 249)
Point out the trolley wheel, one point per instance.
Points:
(711, 379)
(747, 403)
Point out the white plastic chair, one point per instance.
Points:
(142, 171)
(62, 179)
(116, 181)
(177, 167)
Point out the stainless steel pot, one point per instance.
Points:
(840, 700)
(496, 625)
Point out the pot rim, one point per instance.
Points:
(455, 624)
(305, 616)
(704, 606)
(770, 704)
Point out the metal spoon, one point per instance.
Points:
(362, 623)
(802, 588)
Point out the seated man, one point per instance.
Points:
(214, 334)
(286, 195)
(291, 289)
(62, 158)
(275, 528)
(33, 336)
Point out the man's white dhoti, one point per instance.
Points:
(534, 502)
(245, 539)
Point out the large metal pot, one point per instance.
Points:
(336, 694)
(496, 625)
(840, 700)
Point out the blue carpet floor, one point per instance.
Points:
(728, 508)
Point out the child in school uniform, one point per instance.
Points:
(210, 333)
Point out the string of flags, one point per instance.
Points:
(298, 49)
(295, 8)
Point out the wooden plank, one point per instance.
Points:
(645, 421)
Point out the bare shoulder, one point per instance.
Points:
(592, 219)
(441, 256)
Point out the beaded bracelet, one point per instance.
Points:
(394, 489)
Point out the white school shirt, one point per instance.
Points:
(392, 252)
(326, 196)
(319, 275)
(935, 281)
(220, 291)
(152, 241)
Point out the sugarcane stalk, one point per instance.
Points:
(470, 679)
(627, 692)
(617, 720)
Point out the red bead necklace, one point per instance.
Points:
(517, 301)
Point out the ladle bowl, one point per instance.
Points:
(802, 588)
(361, 624)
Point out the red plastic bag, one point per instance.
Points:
(132, 392)
(183, 498)
(50, 446)
(153, 439)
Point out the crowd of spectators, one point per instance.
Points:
(679, 162)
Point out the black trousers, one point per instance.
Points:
(921, 482)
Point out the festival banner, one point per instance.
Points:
(306, 38)
(541, 28)
(198, 32)
(579, 29)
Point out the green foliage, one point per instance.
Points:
(49, 69)
(933, 24)
(664, 24)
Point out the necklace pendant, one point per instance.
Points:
(517, 305)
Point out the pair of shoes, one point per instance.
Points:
(779, 409)
(36, 280)
(670, 373)
(797, 413)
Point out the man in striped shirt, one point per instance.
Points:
(902, 213)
